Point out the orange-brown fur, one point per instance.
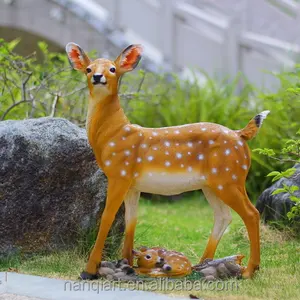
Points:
(162, 160)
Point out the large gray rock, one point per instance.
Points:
(51, 189)
(275, 207)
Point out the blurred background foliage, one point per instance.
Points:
(48, 87)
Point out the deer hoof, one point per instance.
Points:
(87, 276)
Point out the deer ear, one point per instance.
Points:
(77, 57)
(144, 249)
(136, 253)
(129, 58)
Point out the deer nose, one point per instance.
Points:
(97, 77)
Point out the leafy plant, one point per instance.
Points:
(289, 153)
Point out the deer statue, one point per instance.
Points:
(159, 262)
(167, 161)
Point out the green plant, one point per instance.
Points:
(31, 89)
(289, 153)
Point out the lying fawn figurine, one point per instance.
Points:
(166, 161)
(159, 262)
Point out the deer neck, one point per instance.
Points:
(105, 118)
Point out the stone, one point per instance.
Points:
(103, 272)
(275, 207)
(52, 192)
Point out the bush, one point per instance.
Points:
(47, 88)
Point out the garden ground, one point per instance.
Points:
(184, 225)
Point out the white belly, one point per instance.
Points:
(163, 183)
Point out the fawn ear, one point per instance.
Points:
(136, 253)
(77, 57)
(129, 58)
(144, 249)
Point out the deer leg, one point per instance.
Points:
(116, 192)
(237, 198)
(131, 206)
(222, 218)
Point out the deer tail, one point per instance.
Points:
(251, 130)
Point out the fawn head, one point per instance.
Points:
(148, 258)
(103, 74)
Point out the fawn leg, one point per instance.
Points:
(116, 192)
(222, 218)
(236, 197)
(131, 206)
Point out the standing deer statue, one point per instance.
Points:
(166, 161)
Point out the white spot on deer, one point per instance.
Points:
(200, 156)
(150, 158)
(220, 187)
(227, 152)
(182, 165)
(167, 164)
(176, 131)
(190, 144)
(127, 152)
(177, 144)
(123, 138)
(191, 131)
(227, 169)
(202, 177)
(123, 172)
(138, 159)
(215, 154)
(133, 146)
(150, 137)
(234, 177)
(112, 144)
(211, 142)
(236, 147)
(237, 161)
(143, 146)
(244, 167)
(178, 155)
(107, 162)
(199, 142)
(167, 153)
(114, 153)
(154, 133)
(140, 134)
(225, 142)
(189, 153)
(203, 129)
(126, 163)
(190, 169)
(240, 143)
(155, 148)
(166, 131)
(225, 131)
(136, 174)
(127, 128)
(167, 144)
(150, 174)
(214, 170)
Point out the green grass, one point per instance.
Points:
(184, 226)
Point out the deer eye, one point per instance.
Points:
(112, 69)
(88, 70)
(148, 256)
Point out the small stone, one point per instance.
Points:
(223, 273)
(118, 275)
(127, 269)
(108, 264)
(209, 271)
(109, 277)
(210, 278)
(103, 271)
